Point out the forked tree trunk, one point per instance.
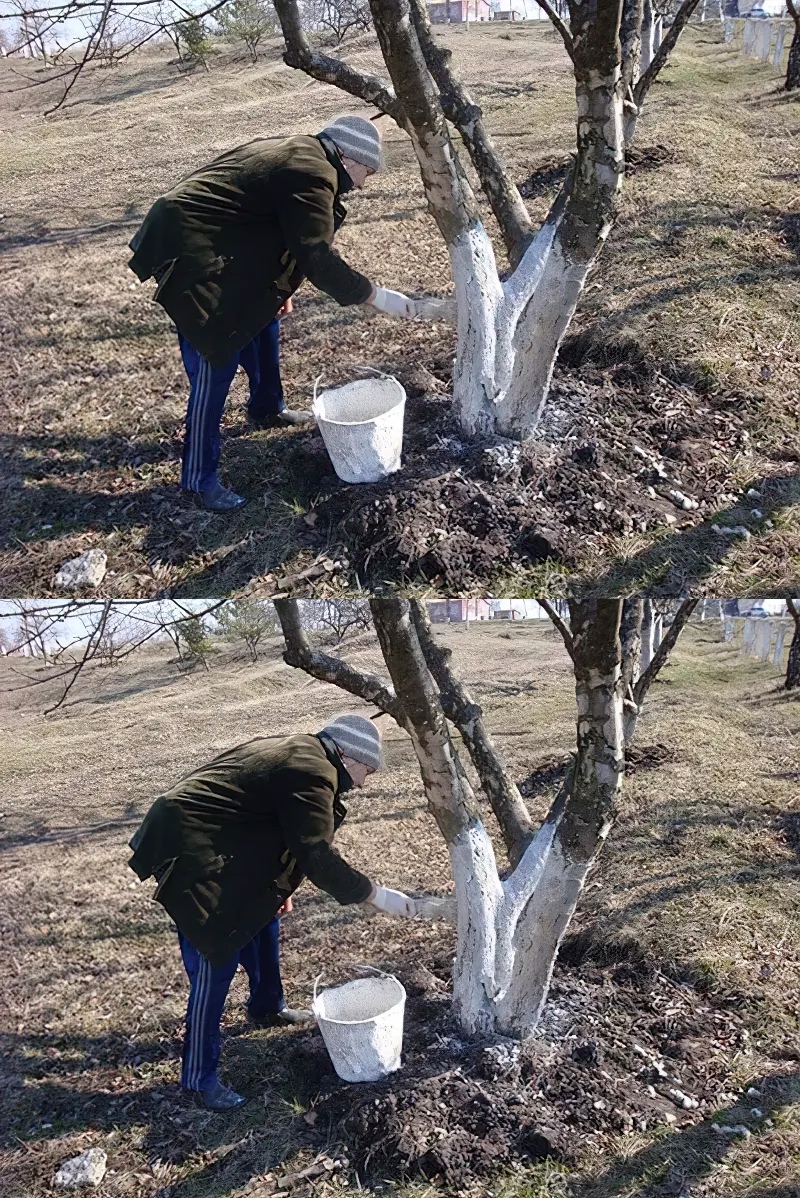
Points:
(509, 931)
(509, 333)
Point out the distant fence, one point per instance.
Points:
(766, 39)
(765, 638)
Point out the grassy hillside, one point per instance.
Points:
(685, 342)
(688, 925)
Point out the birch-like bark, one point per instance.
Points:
(459, 108)
(452, 804)
(631, 646)
(576, 836)
(661, 655)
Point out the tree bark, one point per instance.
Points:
(631, 646)
(506, 801)
(661, 655)
(793, 664)
(577, 834)
(793, 65)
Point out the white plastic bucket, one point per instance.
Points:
(362, 1026)
(362, 427)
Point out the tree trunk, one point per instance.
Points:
(509, 334)
(793, 664)
(631, 646)
(509, 931)
(793, 66)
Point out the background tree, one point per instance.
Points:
(248, 21)
(793, 664)
(195, 44)
(339, 617)
(248, 620)
(337, 17)
(195, 642)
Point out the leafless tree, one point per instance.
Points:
(337, 17)
(338, 617)
(509, 929)
(39, 624)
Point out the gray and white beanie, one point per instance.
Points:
(356, 737)
(356, 138)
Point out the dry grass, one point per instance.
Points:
(700, 276)
(695, 876)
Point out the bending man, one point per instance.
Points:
(228, 246)
(228, 846)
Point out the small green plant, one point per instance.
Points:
(248, 620)
(195, 643)
(248, 21)
(195, 46)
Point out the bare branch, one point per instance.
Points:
(299, 55)
(300, 654)
(566, 635)
(664, 50)
(566, 36)
(450, 798)
(664, 649)
(459, 707)
(506, 202)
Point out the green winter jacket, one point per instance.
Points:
(228, 244)
(229, 842)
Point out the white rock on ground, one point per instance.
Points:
(88, 1169)
(88, 570)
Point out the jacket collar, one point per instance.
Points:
(335, 158)
(345, 782)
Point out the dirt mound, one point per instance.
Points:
(619, 451)
(620, 1048)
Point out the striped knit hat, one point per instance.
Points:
(356, 737)
(356, 138)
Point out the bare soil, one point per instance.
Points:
(682, 959)
(684, 347)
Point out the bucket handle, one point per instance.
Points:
(373, 968)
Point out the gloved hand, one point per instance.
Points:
(393, 902)
(393, 303)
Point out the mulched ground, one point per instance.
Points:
(622, 449)
(621, 1048)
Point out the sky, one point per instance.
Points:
(142, 617)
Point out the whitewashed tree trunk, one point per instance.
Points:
(658, 630)
(658, 32)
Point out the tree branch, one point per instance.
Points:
(300, 654)
(664, 649)
(560, 625)
(506, 202)
(507, 804)
(299, 55)
(566, 36)
(664, 50)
